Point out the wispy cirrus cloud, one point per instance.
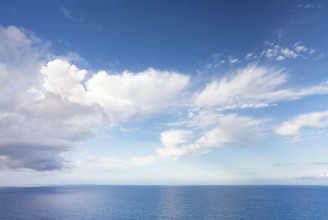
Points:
(253, 86)
(217, 60)
(250, 85)
(233, 59)
(313, 120)
(76, 16)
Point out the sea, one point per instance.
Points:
(164, 202)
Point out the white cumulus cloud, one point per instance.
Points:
(64, 79)
(122, 96)
(46, 106)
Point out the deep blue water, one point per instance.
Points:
(165, 202)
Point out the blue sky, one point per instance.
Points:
(163, 92)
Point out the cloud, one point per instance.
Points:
(218, 130)
(171, 140)
(250, 56)
(32, 119)
(36, 156)
(300, 48)
(320, 176)
(40, 129)
(47, 105)
(21, 126)
(279, 58)
(74, 16)
(252, 87)
(21, 57)
(122, 96)
(233, 60)
(314, 120)
(64, 79)
(217, 61)
(308, 5)
(271, 51)
(275, 51)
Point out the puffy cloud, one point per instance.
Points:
(36, 126)
(17, 43)
(292, 127)
(122, 96)
(128, 94)
(21, 57)
(27, 132)
(36, 156)
(271, 51)
(275, 51)
(172, 140)
(34, 130)
(64, 79)
(43, 112)
(252, 86)
(300, 48)
(279, 58)
(288, 53)
(218, 130)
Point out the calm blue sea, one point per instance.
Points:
(165, 202)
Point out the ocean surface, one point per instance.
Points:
(164, 202)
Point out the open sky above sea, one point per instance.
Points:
(163, 92)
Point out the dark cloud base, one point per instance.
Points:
(35, 156)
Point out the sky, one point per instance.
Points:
(163, 92)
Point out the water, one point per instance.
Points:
(165, 202)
